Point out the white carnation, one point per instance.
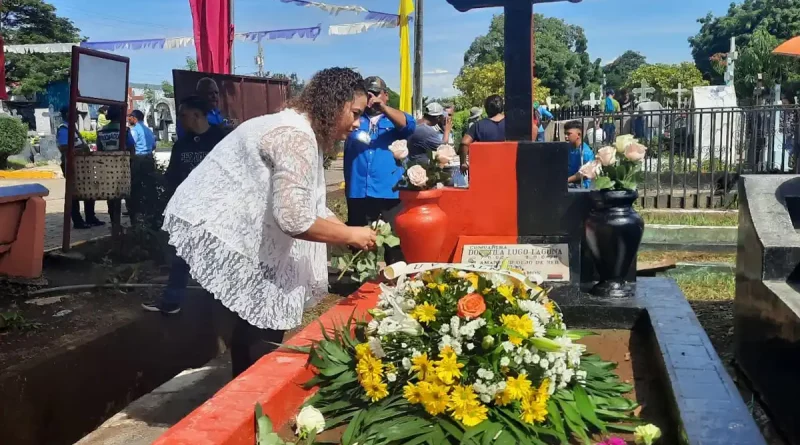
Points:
(470, 346)
(391, 377)
(505, 361)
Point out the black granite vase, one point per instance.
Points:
(613, 233)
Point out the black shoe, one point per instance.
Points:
(160, 306)
(81, 226)
(95, 222)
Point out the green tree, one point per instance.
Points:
(619, 71)
(478, 82)
(191, 64)
(30, 22)
(149, 96)
(757, 58)
(13, 133)
(560, 50)
(664, 78)
(778, 18)
(296, 84)
(169, 90)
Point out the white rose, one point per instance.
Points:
(391, 377)
(590, 169)
(406, 363)
(375, 347)
(607, 156)
(417, 176)
(445, 154)
(635, 152)
(310, 419)
(399, 149)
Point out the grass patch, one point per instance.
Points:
(657, 256)
(703, 285)
(727, 219)
(14, 164)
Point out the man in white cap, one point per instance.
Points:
(475, 114)
(434, 129)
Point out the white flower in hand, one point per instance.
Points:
(445, 154)
(310, 419)
(417, 176)
(591, 169)
(635, 152)
(399, 149)
(607, 156)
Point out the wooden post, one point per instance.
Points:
(518, 57)
(69, 156)
(417, 102)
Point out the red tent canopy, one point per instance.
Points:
(213, 35)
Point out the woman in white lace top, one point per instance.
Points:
(251, 219)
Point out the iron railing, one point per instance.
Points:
(695, 156)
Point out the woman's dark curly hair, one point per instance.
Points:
(323, 98)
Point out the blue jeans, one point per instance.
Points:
(540, 137)
(459, 180)
(611, 132)
(177, 282)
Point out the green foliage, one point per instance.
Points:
(15, 321)
(394, 99)
(757, 58)
(169, 90)
(296, 84)
(89, 136)
(778, 18)
(460, 119)
(191, 64)
(664, 78)
(363, 266)
(30, 22)
(479, 82)
(13, 133)
(561, 54)
(619, 71)
(149, 96)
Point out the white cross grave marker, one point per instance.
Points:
(550, 105)
(643, 90)
(733, 56)
(592, 102)
(680, 90)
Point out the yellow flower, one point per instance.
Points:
(363, 350)
(412, 393)
(430, 276)
(425, 313)
(507, 291)
(443, 288)
(369, 366)
(390, 368)
(473, 280)
(473, 415)
(431, 285)
(551, 307)
(422, 366)
(434, 397)
(544, 389)
(447, 351)
(448, 368)
(462, 397)
(376, 389)
(502, 398)
(534, 407)
(518, 388)
(523, 326)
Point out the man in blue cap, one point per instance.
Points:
(370, 170)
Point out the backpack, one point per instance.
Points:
(610, 105)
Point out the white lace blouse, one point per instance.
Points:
(233, 218)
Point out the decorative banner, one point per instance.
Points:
(43, 48)
(303, 33)
(330, 9)
(213, 35)
(384, 17)
(178, 42)
(406, 8)
(358, 28)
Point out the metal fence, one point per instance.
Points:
(695, 156)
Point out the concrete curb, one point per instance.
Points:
(29, 174)
(275, 381)
(690, 235)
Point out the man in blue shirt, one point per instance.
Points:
(142, 165)
(139, 133)
(579, 154)
(62, 140)
(541, 113)
(370, 170)
(208, 90)
(149, 137)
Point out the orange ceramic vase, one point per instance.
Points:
(421, 226)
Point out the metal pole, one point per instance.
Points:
(231, 30)
(260, 59)
(417, 102)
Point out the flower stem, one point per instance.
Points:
(350, 264)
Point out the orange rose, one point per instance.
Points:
(471, 306)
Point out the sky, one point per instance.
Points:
(658, 29)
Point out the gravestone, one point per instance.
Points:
(767, 305)
(592, 102)
(642, 92)
(42, 117)
(680, 91)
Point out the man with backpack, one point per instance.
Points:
(611, 107)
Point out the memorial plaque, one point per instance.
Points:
(550, 261)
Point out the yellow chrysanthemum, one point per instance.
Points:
(462, 397)
(447, 351)
(502, 398)
(473, 280)
(544, 389)
(412, 393)
(434, 397)
(376, 389)
(431, 275)
(473, 414)
(363, 350)
(448, 369)
(431, 285)
(522, 326)
(519, 387)
(390, 368)
(551, 307)
(443, 288)
(424, 313)
(422, 366)
(507, 291)
(534, 407)
(369, 366)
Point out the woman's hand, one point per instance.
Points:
(362, 238)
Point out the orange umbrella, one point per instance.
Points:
(790, 47)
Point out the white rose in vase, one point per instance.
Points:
(607, 156)
(445, 154)
(417, 176)
(591, 169)
(399, 149)
(635, 152)
(310, 419)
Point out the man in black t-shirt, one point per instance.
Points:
(187, 153)
(490, 129)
